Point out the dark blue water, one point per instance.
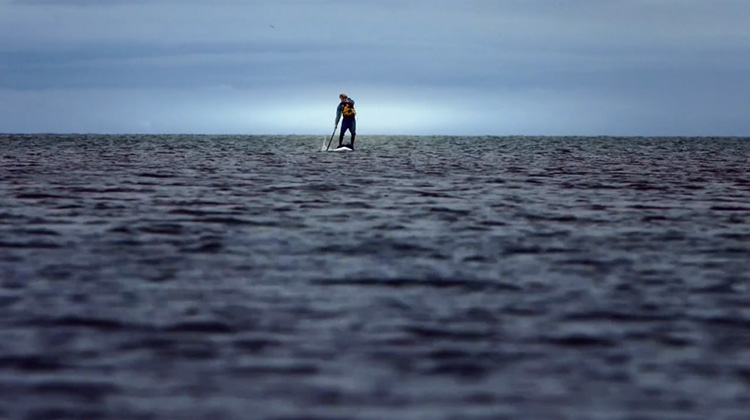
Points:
(200, 277)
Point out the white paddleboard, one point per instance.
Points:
(332, 148)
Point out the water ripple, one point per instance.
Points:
(194, 277)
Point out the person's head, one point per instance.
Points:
(343, 97)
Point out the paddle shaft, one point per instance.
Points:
(331, 139)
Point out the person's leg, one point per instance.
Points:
(344, 127)
(353, 130)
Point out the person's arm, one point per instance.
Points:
(339, 109)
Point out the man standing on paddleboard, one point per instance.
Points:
(346, 109)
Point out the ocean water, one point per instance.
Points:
(255, 277)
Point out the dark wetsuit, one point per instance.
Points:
(348, 123)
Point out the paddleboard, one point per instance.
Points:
(332, 148)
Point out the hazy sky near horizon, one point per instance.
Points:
(464, 67)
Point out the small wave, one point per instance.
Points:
(230, 221)
(279, 368)
(730, 208)
(35, 232)
(193, 212)
(580, 340)
(620, 316)
(209, 247)
(31, 363)
(30, 245)
(447, 333)
(434, 194)
(461, 368)
(200, 327)
(76, 389)
(101, 324)
(162, 229)
(158, 175)
(40, 196)
(426, 283)
(256, 345)
(448, 210)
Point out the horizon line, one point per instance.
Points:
(373, 135)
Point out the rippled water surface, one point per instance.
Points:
(199, 277)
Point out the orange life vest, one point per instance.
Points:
(349, 110)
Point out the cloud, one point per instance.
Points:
(622, 66)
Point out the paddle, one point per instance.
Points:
(332, 134)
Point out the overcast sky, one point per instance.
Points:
(474, 67)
